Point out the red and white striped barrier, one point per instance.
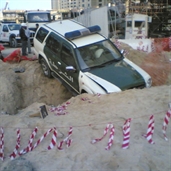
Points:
(110, 142)
(118, 44)
(111, 138)
(98, 94)
(60, 110)
(165, 123)
(104, 134)
(53, 141)
(86, 99)
(169, 42)
(29, 146)
(143, 48)
(67, 140)
(150, 130)
(2, 144)
(15, 152)
(152, 46)
(42, 138)
(126, 134)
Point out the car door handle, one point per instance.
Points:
(59, 63)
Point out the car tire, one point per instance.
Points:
(45, 68)
(13, 43)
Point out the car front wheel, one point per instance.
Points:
(13, 42)
(45, 68)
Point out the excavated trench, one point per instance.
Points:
(19, 90)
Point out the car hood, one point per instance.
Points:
(119, 73)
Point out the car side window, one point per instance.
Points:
(67, 56)
(53, 44)
(5, 28)
(41, 34)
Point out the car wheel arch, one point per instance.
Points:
(12, 36)
(83, 91)
(86, 90)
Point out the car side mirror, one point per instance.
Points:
(122, 51)
(70, 68)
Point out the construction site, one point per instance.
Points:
(126, 130)
(159, 10)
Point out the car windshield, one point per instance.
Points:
(98, 55)
(38, 17)
(14, 26)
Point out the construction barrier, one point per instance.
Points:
(68, 141)
(147, 45)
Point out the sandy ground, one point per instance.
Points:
(22, 94)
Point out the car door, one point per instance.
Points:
(52, 51)
(59, 57)
(68, 59)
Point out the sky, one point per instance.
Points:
(26, 4)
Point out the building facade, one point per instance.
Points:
(77, 4)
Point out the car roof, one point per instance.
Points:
(86, 40)
(66, 26)
(37, 11)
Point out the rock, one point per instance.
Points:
(19, 164)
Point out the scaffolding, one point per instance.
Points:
(13, 16)
(158, 10)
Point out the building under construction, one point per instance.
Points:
(160, 12)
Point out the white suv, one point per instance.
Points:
(84, 60)
(9, 33)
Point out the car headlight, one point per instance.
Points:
(149, 82)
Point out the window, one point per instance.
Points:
(41, 34)
(112, 14)
(129, 23)
(98, 53)
(53, 44)
(14, 26)
(139, 24)
(5, 28)
(39, 17)
(67, 56)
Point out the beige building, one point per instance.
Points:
(77, 4)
